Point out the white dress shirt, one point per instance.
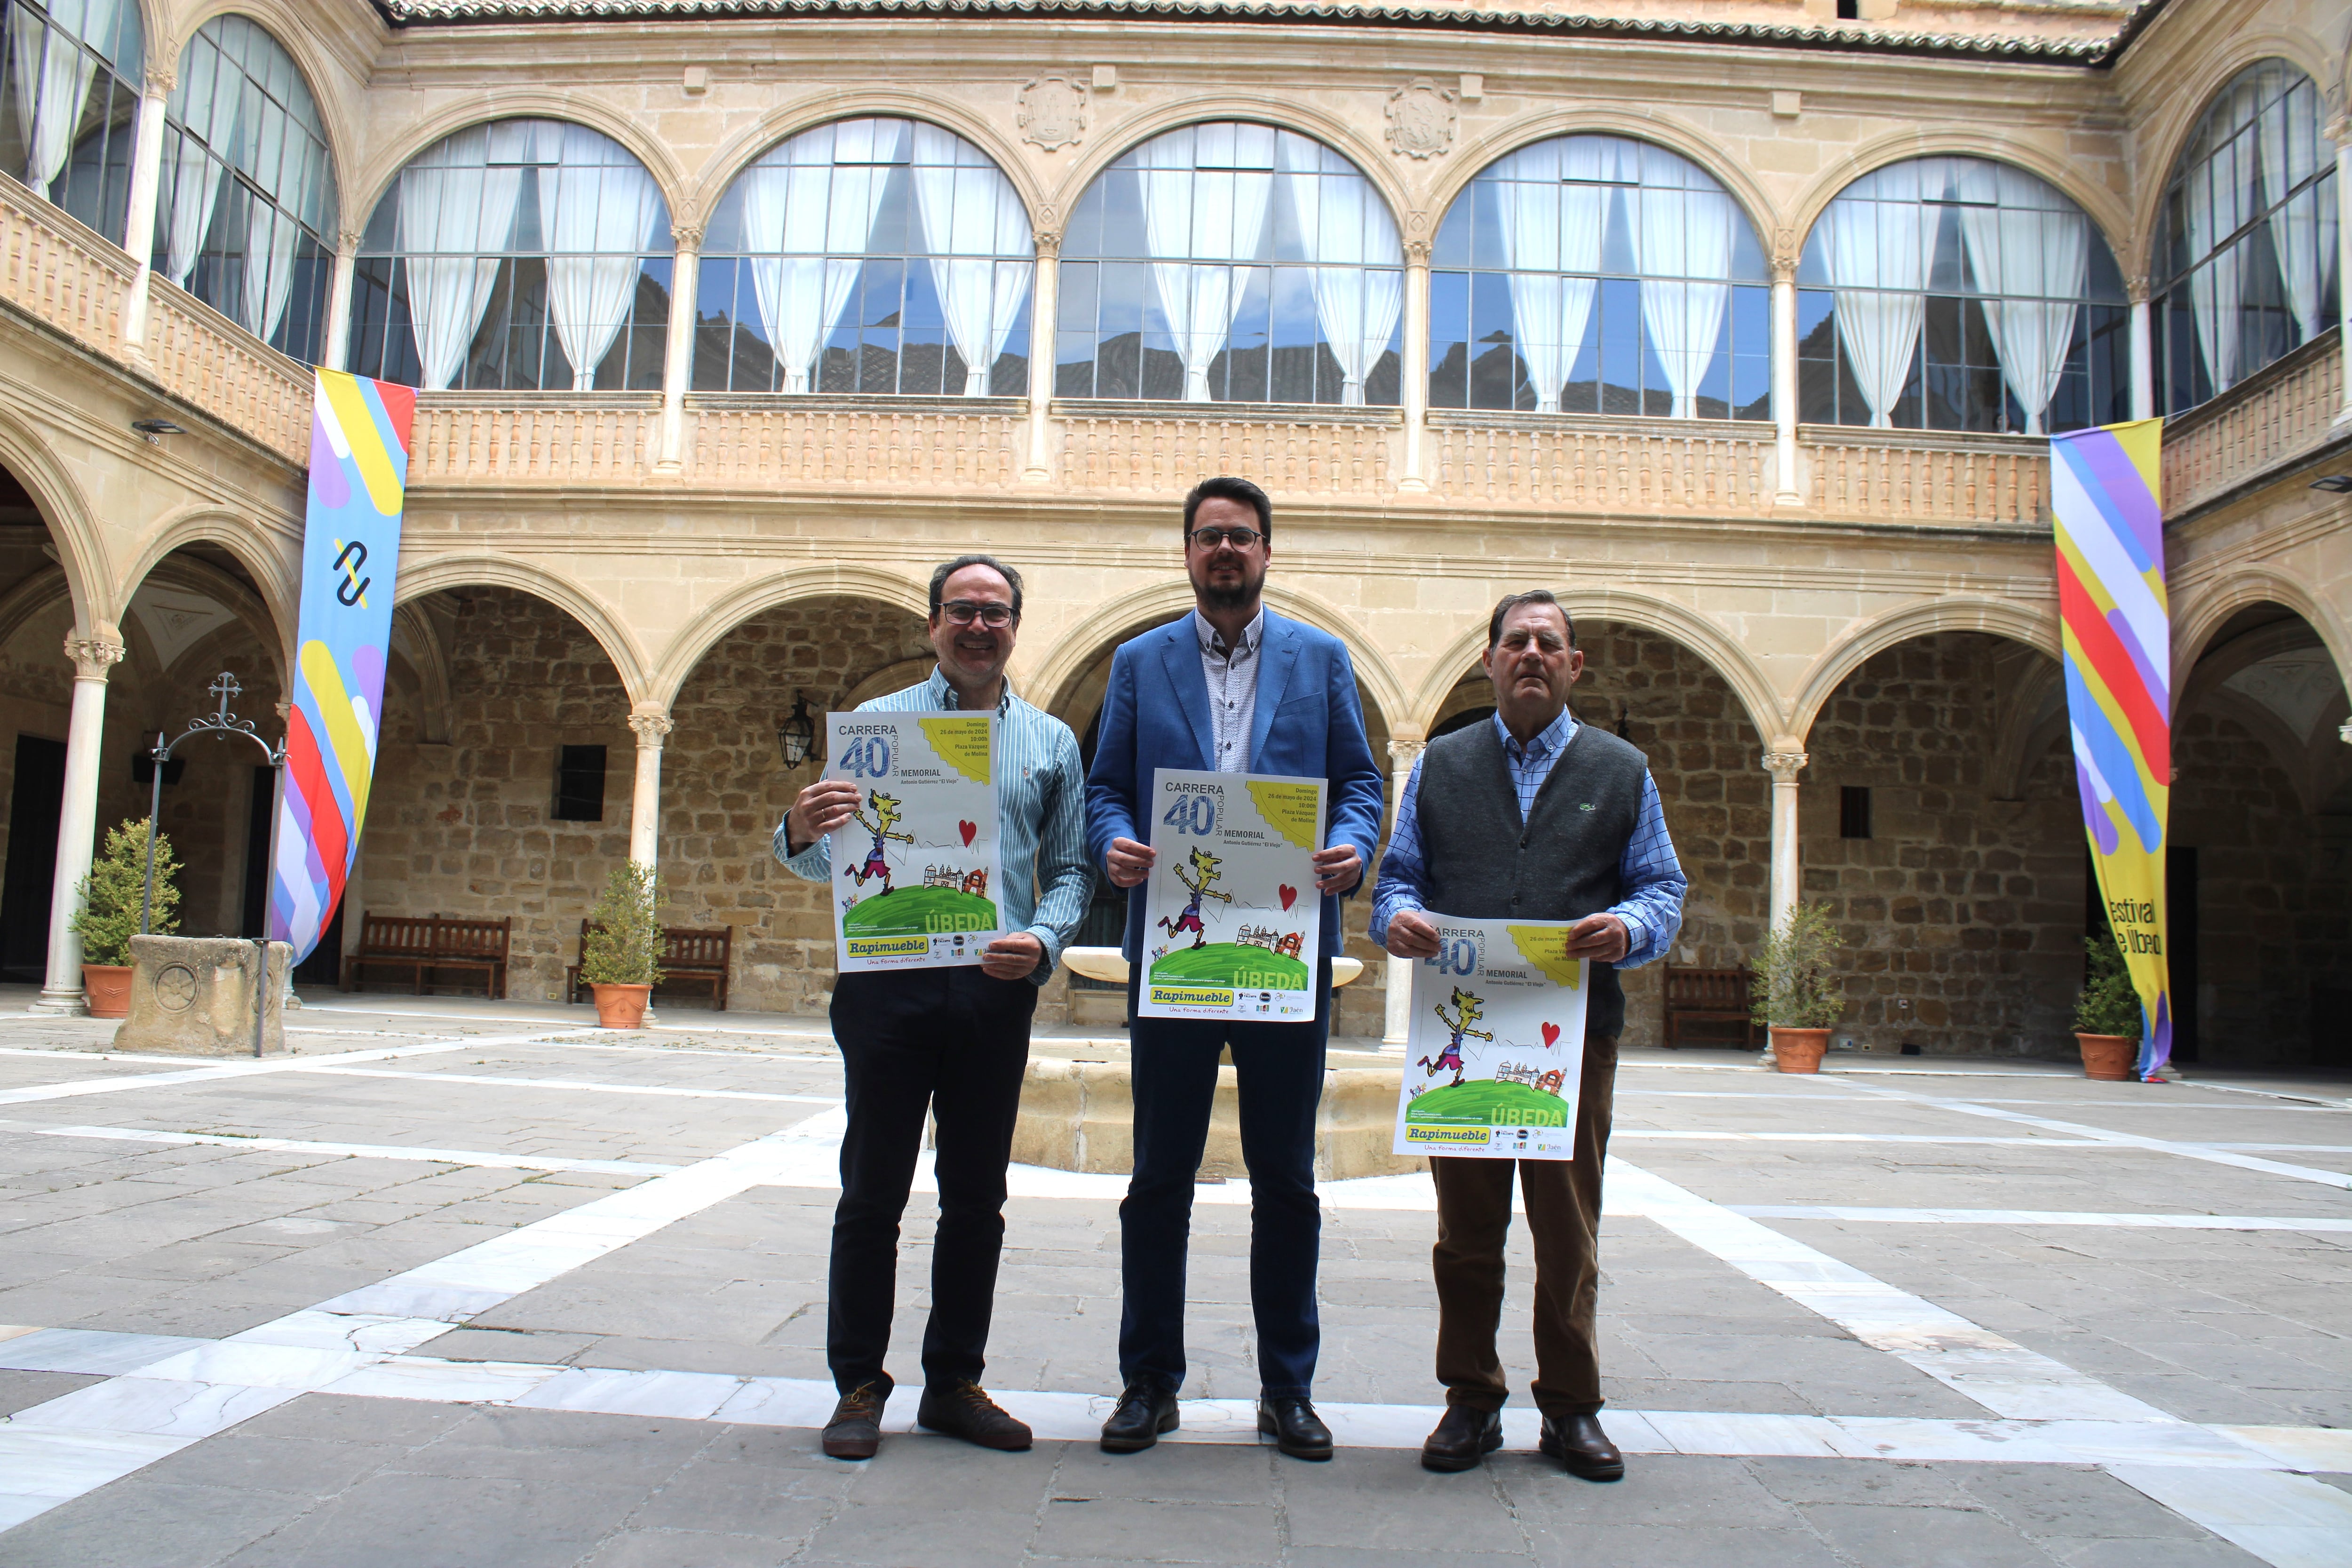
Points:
(1231, 675)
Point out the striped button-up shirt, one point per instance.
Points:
(1041, 795)
(1231, 675)
(1650, 871)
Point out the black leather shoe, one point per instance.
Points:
(1462, 1438)
(856, 1430)
(1582, 1447)
(962, 1409)
(1145, 1411)
(1298, 1431)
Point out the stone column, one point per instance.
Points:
(1786, 865)
(1414, 385)
(645, 805)
(1784, 383)
(677, 363)
(1045, 318)
(1402, 755)
(2143, 351)
(138, 218)
(2340, 132)
(335, 352)
(92, 658)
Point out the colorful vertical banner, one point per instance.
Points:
(350, 548)
(2105, 490)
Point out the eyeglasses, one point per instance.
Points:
(963, 612)
(1210, 538)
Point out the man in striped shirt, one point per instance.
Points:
(954, 1041)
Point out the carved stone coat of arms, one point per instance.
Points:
(1422, 117)
(1053, 111)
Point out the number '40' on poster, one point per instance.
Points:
(914, 869)
(1233, 925)
(1496, 1051)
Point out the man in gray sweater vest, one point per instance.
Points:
(1543, 819)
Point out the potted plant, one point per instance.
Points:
(620, 960)
(1795, 993)
(110, 897)
(2107, 1013)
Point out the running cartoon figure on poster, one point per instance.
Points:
(886, 815)
(1468, 1010)
(1204, 872)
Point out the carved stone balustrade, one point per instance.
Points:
(947, 445)
(533, 438)
(58, 271)
(1164, 448)
(203, 357)
(1580, 463)
(2274, 416)
(1930, 476)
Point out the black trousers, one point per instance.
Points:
(955, 1042)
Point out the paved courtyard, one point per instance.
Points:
(464, 1283)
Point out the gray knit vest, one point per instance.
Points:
(1561, 864)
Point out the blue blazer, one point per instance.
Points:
(1309, 724)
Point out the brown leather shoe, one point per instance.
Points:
(856, 1430)
(1582, 1447)
(962, 1409)
(1462, 1438)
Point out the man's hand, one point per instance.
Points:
(1011, 957)
(1128, 862)
(1410, 935)
(1337, 868)
(1600, 938)
(817, 811)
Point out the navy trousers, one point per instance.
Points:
(1280, 1069)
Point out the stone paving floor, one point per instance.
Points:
(466, 1283)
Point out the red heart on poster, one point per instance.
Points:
(968, 829)
(1289, 895)
(1552, 1034)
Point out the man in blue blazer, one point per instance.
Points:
(1232, 687)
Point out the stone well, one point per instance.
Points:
(194, 996)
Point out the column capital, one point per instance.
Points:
(160, 81)
(685, 238)
(93, 656)
(2339, 129)
(651, 724)
(1049, 244)
(1784, 766)
(1404, 753)
(1417, 251)
(2137, 290)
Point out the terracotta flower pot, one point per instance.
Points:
(2109, 1057)
(106, 988)
(1799, 1050)
(622, 1007)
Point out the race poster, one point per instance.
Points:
(1497, 1048)
(1231, 921)
(914, 869)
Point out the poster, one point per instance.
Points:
(914, 869)
(1232, 922)
(1496, 1049)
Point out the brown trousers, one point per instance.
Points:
(1474, 1217)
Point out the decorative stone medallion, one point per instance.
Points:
(1053, 111)
(175, 987)
(1422, 117)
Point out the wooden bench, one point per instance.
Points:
(696, 957)
(422, 944)
(1708, 997)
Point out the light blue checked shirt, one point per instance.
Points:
(1652, 874)
(1040, 795)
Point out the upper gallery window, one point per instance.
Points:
(522, 254)
(2245, 241)
(1958, 294)
(1233, 263)
(867, 255)
(1594, 274)
(69, 99)
(245, 205)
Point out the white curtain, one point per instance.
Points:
(597, 209)
(53, 78)
(453, 205)
(2220, 196)
(205, 103)
(818, 193)
(2031, 259)
(1681, 247)
(2302, 232)
(971, 215)
(1199, 223)
(1347, 231)
(1879, 270)
(1551, 211)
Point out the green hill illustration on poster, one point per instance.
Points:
(915, 868)
(1232, 923)
(1496, 1051)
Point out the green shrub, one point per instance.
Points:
(2107, 1005)
(111, 894)
(624, 932)
(1794, 986)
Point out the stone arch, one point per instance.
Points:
(81, 551)
(251, 615)
(417, 644)
(2186, 103)
(1668, 619)
(291, 32)
(504, 572)
(2202, 612)
(239, 537)
(372, 180)
(704, 631)
(709, 186)
(31, 598)
(2034, 625)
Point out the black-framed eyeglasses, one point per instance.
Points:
(963, 612)
(1210, 538)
